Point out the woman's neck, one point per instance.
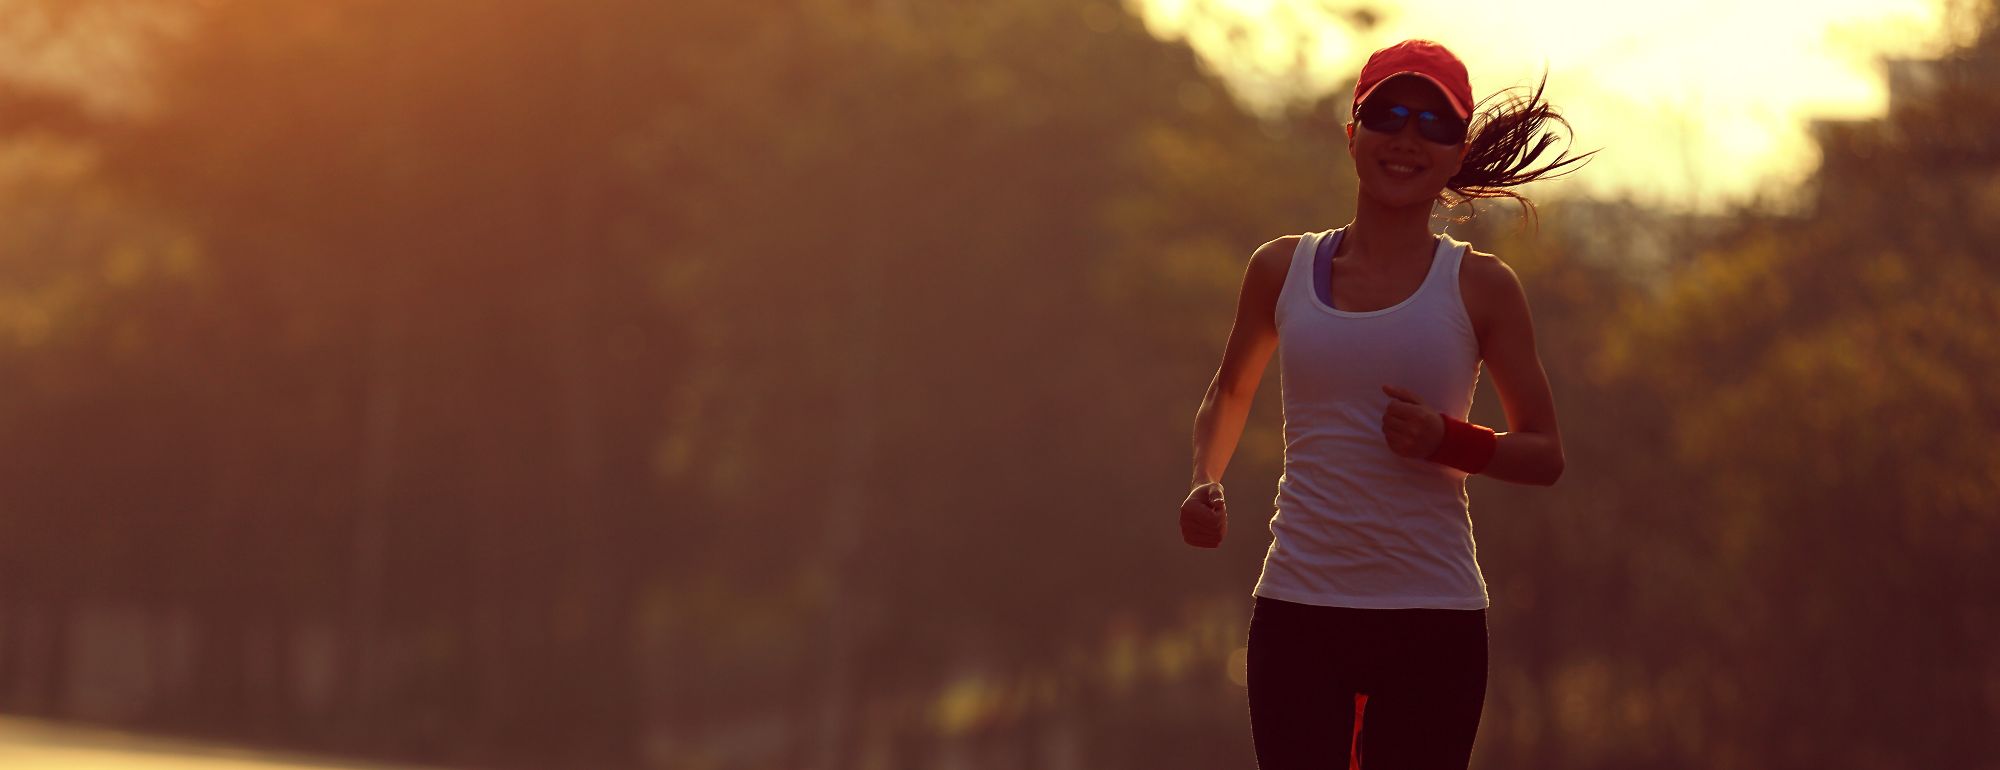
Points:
(1386, 233)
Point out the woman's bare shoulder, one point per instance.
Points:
(1274, 258)
(1485, 272)
(1487, 283)
(1280, 247)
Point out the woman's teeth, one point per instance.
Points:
(1399, 168)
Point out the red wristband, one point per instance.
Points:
(1466, 446)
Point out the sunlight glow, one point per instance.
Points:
(28, 743)
(1696, 104)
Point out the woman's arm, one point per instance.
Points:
(1219, 423)
(1530, 452)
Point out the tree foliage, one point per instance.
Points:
(808, 384)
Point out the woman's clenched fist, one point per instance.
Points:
(1411, 428)
(1204, 517)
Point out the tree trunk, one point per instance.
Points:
(854, 468)
(380, 419)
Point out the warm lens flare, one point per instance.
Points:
(1698, 104)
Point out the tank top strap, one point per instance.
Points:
(1446, 295)
(1322, 266)
(1296, 292)
(1453, 257)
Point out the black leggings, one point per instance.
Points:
(1422, 673)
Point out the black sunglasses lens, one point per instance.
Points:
(1389, 118)
(1442, 130)
(1384, 118)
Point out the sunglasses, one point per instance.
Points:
(1389, 118)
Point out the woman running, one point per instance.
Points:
(1368, 633)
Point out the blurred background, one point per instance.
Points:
(808, 384)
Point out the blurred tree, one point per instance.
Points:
(808, 385)
(1824, 376)
(425, 332)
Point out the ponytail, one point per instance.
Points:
(1510, 132)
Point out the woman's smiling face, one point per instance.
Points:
(1402, 168)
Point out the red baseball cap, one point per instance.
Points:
(1424, 59)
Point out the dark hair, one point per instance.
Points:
(1510, 131)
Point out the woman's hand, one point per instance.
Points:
(1411, 428)
(1204, 516)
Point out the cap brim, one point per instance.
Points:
(1464, 110)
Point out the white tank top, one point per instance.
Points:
(1358, 525)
